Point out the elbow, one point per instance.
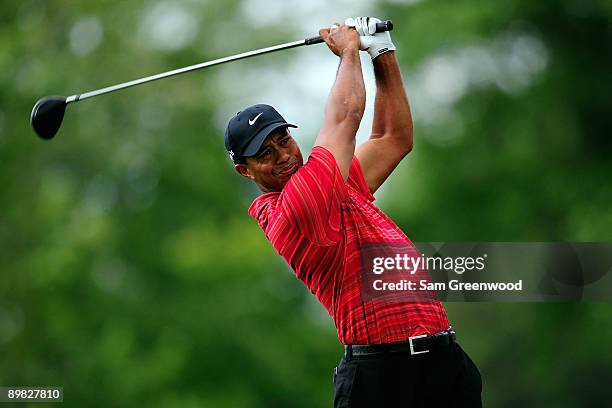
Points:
(405, 149)
(409, 141)
(405, 141)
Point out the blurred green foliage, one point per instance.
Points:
(132, 276)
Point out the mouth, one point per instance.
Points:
(287, 171)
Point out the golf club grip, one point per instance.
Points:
(380, 27)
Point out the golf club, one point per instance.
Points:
(48, 112)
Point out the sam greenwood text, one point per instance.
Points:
(455, 285)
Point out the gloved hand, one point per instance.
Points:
(371, 41)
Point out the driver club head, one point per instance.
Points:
(47, 116)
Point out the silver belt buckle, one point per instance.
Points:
(412, 352)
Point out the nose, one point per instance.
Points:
(283, 155)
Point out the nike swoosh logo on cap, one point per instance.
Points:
(254, 119)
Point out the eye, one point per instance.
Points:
(264, 154)
(284, 141)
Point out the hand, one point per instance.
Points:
(340, 38)
(371, 41)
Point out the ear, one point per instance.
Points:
(244, 171)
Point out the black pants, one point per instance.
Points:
(446, 377)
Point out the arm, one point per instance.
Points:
(391, 138)
(346, 101)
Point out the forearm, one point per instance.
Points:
(344, 111)
(346, 102)
(392, 117)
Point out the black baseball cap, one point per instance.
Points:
(247, 131)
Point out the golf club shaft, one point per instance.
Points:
(90, 94)
(384, 26)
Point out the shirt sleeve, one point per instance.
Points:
(312, 198)
(357, 180)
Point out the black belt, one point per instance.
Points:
(415, 345)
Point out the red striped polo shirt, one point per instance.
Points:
(319, 223)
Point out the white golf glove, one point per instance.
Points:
(371, 41)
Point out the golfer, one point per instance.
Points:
(318, 215)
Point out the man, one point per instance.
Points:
(320, 215)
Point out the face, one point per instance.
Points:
(276, 161)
